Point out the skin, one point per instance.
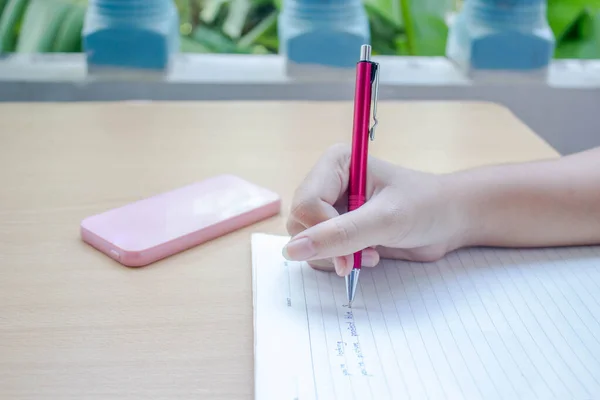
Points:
(418, 216)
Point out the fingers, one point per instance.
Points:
(318, 197)
(340, 236)
(326, 265)
(310, 215)
(343, 265)
(316, 209)
(327, 180)
(323, 212)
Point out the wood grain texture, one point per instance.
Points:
(75, 324)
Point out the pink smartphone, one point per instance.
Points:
(148, 230)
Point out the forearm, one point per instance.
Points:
(548, 203)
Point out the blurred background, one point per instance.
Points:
(540, 58)
(397, 27)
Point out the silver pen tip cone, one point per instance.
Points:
(351, 283)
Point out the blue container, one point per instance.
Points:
(323, 32)
(502, 35)
(131, 34)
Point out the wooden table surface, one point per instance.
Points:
(75, 324)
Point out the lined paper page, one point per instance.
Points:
(479, 324)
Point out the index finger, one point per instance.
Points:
(328, 179)
(315, 198)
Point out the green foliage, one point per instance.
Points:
(68, 36)
(10, 22)
(417, 33)
(576, 26)
(43, 20)
(40, 26)
(398, 27)
(2, 5)
(231, 26)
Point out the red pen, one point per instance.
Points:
(367, 85)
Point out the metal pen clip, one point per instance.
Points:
(375, 95)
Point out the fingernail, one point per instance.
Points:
(337, 263)
(369, 259)
(299, 250)
(342, 265)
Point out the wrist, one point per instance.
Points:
(468, 197)
(502, 205)
(458, 200)
(544, 203)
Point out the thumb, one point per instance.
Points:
(340, 236)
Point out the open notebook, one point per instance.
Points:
(479, 324)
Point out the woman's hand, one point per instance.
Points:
(408, 215)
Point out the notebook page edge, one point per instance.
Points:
(262, 245)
